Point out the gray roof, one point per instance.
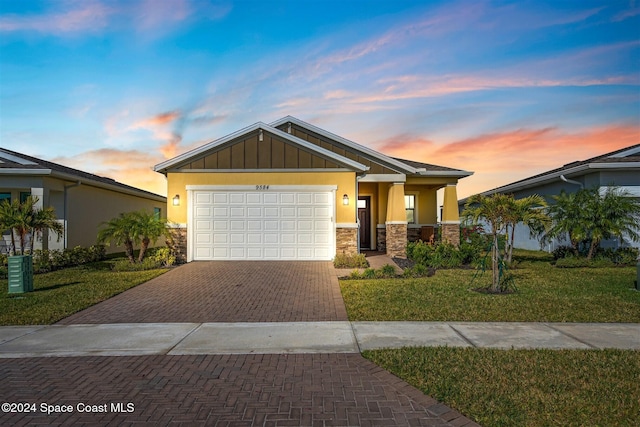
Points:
(624, 158)
(14, 162)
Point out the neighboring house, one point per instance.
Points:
(620, 168)
(290, 190)
(82, 201)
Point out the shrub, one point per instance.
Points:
(46, 260)
(163, 257)
(418, 270)
(386, 271)
(350, 261)
(563, 252)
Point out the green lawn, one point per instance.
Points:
(545, 294)
(514, 387)
(61, 293)
(525, 387)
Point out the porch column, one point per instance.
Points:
(450, 217)
(396, 222)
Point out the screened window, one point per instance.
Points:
(157, 212)
(410, 207)
(23, 196)
(5, 196)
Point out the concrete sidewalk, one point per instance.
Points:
(128, 339)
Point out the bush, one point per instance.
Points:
(350, 261)
(418, 270)
(46, 260)
(563, 252)
(383, 272)
(163, 256)
(440, 255)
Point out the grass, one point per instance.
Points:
(61, 293)
(525, 387)
(545, 294)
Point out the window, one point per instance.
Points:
(23, 196)
(410, 207)
(5, 196)
(157, 212)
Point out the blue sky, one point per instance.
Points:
(505, 89)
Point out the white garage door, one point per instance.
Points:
(263, 223)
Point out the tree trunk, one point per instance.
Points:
(592, 249)
(495, 255)
(128, 248)
(13, 243)
(143, 248)
(513, 238)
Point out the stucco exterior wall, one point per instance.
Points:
(88, 207)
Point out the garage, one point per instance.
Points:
(261, 222)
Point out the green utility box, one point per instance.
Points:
(20, 274)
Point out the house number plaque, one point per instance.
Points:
(262, 187)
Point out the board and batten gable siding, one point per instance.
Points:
(250, 153)
(336, 147)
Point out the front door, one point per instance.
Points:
(364, 217)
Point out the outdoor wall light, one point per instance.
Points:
(176, 200)
(345, 200)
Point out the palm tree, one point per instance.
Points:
(8, 218)
(119, 230)
(527, 211)
(133, 228)
(149, 228)
(24, 219)
(590, 217)
(496, 211)
(45, 219)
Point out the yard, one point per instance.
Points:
(514, 387)
(61, 293)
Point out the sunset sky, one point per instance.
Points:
(506, 89)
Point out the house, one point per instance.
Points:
(82, 201)
(619, 168)
(290, 190)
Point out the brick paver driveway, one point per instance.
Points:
(219, 390)
(227, 291)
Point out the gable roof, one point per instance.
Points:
(400, 165)
(624, 158)
(14, 163)
(164, 167)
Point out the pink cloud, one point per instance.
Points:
(503, 157)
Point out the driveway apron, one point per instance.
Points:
(227, 291)
(219, 389)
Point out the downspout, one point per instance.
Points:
(64, 218)
(570, 181)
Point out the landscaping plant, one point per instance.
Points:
(587, 217)
(24, 219)
(134, 228)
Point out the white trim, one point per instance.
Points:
(396, 223)
(383, 177)
(449, 222)
(281, 170)
(344, 141)
(626, 153)
(549, 177)
(318, 188)
(632, 190)
(421, 225)
(12, 171)
(323, 152)
(347, 225)
(176, 225)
